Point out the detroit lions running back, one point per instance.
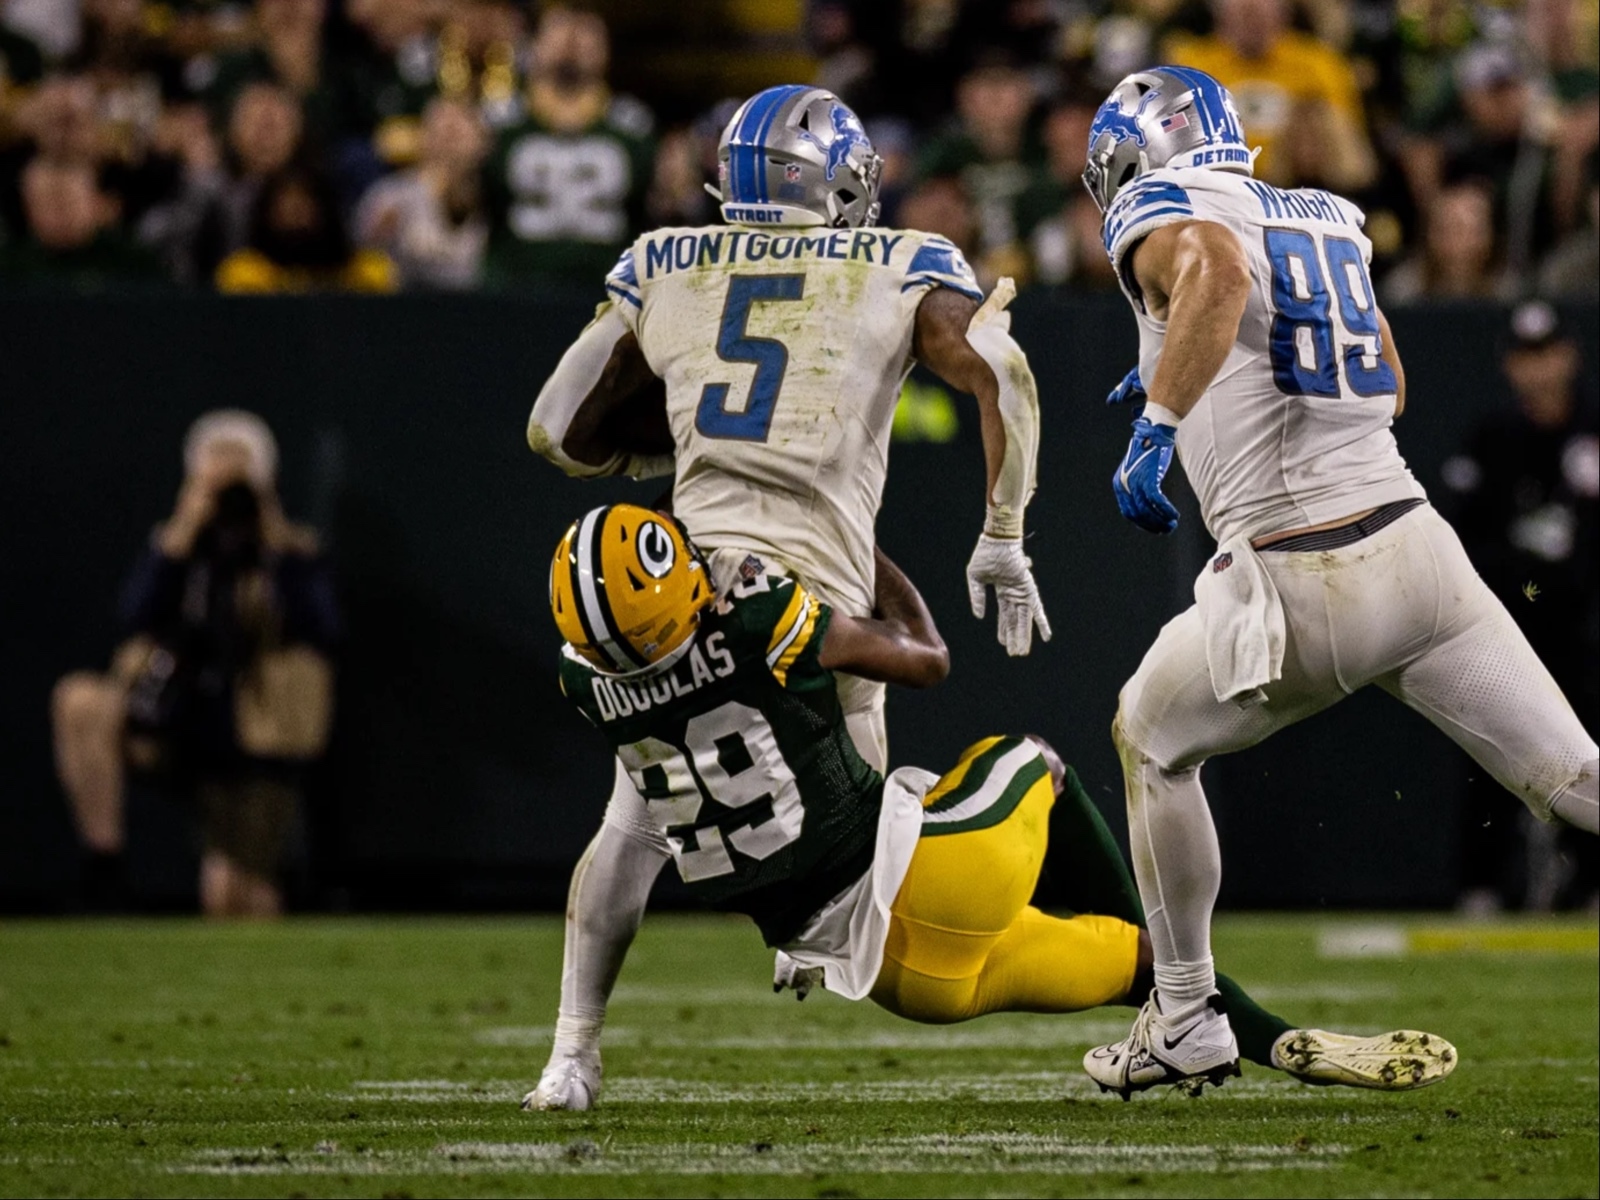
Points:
(782, 338)
(1266, 365)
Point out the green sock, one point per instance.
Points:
(1253, 1025)
(1086, 858)
(1097, 880)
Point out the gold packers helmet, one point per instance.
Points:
(627, 587)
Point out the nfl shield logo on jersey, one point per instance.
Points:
(1221, 563)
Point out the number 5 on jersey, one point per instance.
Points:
(1305, 357)
(713, 418)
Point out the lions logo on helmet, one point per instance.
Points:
(1163, 117)
(627, 588)
(797, 156)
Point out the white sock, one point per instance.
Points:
(1179, 868)
(1579, 805)
(1184, 984)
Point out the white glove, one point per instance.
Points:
(571, 1081)
(786, 973)
(1001, 564)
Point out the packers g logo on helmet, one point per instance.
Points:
(657, 553)
(627, 587)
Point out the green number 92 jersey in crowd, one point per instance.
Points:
(741, 753)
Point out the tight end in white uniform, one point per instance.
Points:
(1267, 367)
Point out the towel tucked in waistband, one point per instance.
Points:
(1244, 624)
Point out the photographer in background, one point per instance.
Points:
(224, 688)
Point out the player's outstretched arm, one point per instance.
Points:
(971, 348)
(1195, 276)
(605, 904)
(898, 644)
(603, 411)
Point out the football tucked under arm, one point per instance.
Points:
(603, 411)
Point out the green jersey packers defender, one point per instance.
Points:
(741, 746)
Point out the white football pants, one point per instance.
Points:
(1402, 608)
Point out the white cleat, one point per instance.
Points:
(1401, 1061)
(1191, 1048)
(570, 1082)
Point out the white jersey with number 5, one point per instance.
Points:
(1295, 429)
(783, 352)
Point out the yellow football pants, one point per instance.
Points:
(963, 939)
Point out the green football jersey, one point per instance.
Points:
(741, 753)
(564, 205)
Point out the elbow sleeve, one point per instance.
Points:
(989, 335)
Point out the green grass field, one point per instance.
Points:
(387, 1057)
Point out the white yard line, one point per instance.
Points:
(1018, 1087)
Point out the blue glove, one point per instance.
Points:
(1138, 478)
(1130, 389)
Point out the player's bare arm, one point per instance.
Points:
(970, 347)
(939, 340)
(898, 644)
(1194, 275)
(603, 411)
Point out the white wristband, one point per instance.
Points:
(1157, 415)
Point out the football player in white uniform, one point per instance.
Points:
(1265, 363)
(781, 339)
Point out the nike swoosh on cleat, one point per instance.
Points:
(1172, 1043)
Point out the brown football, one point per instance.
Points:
(639, 425)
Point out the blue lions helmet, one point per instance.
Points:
(797, 155)
(1163, 117)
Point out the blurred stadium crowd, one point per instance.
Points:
(380, 145)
